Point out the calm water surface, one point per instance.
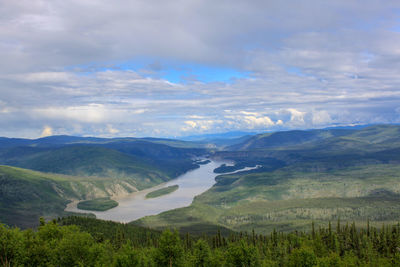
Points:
(135, 205)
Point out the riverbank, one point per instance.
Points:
(136, 205)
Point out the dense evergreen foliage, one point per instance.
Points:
(99, 243)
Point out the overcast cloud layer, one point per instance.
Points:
(105, 68)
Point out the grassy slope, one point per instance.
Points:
(354, 177)
(25, 195)
(139, 164)
(82, 168)
(93, 161)
(289, 200)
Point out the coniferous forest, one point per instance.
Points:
(80, 241)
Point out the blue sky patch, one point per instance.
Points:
(173, 72)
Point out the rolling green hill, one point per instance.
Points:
(93, 161)
(382, 135)
(286, 138)
(146, 163)
(320, 176)
(64, 168)
(25, 195)
(74, 140)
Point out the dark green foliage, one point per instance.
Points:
(25, 196)
(145, 162)
(127, 256)
(242, 254)
(266, 163)
(201, 254)
(125, 246)
(10, 246)
(99, 204)
(170, 249)
(203, 162)
(302, 257)
(116, 233)
(85, 160)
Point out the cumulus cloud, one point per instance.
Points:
(92, 113)
(199, 125)
(254, 121)
(296, 117)
(101, 68)
(47, 131)
(112, 130)
(321, 117)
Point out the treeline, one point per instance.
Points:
(77, 241)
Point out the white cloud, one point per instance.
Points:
(77, 66)
(190, 124)
(47, 131)
(92, 113)
(321, 117)
(296, 117)
(254, 121)
(195, 117)
(112, 130)
(51, 77)
(199, 125)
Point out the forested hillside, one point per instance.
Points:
(25, 195)
(147, 162)
(59, 169)
(351, 174)
(90, 242)
(320, 175)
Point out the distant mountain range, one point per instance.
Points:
(226, 135)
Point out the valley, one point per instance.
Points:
(40, 177)
(200, 133)
(320, 176)
(282, 180)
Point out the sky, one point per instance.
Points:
(184, 67)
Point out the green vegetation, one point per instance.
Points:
(352, 175)
(94, 161)
(25, 195)
(288, 200)
(146, 162)
(318, 175)
(203, 162)
(98, 204)
(162, 191)
(65, 168)
(228, 168)
(77, 241)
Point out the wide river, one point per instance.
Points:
(135, 205)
